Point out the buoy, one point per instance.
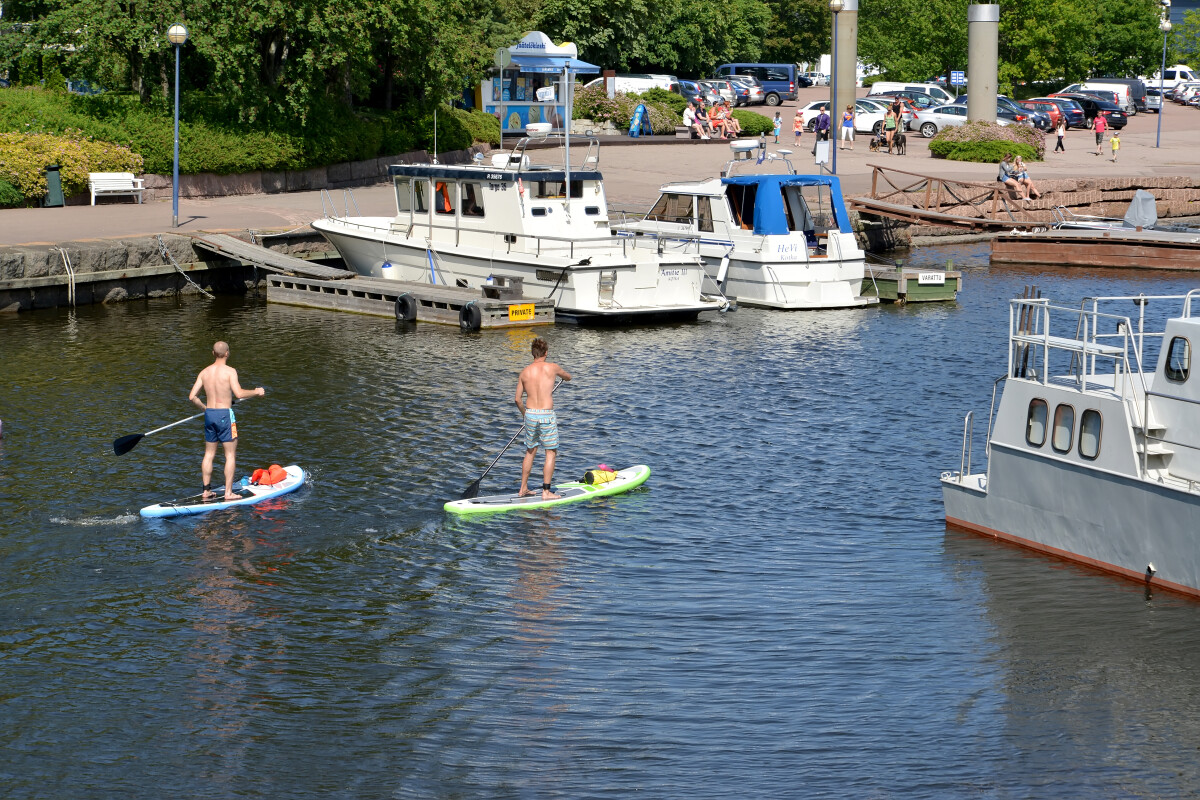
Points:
(469, 318)
(406, 308)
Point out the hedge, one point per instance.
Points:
(593, 103)
(25, 156)
(987, 142)
(212, 142)
(753, 123)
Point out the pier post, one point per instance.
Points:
(983, 47)
(845, 66)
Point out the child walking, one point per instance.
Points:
(1115, 141)
(778, 126)
(797, 126)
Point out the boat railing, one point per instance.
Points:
(329, 207)
(964, 463)
(517, 156)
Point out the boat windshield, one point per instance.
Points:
(680, 209)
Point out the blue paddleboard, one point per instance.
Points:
(249, 494)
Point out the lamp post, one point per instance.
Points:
(1164, 24)
(835, 6)
(177, 35)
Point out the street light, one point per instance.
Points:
(835, 6)
(177, 35)
(1164, 24)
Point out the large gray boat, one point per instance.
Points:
(1094, 452)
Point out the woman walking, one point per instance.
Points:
(848, 127)
(1061, 131)
(889, 128)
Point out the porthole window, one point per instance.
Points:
(1035, 425)
(1089, 434)
(1064, 429)
(1179, 359)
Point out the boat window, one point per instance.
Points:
(1179, 360)
(592, 211)
(1089, 434)
(1035, 425)
(472, 200)
(442, 201)
(798, 216)
(421, 196)
(820, 205)
(741, 204)
(555, 189)
(538, 211)
(704, 213)
(1064, 428)
(672, 208)
(403, 195)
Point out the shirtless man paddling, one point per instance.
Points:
(220, 384)
(536, 383)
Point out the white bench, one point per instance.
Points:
(115, 183)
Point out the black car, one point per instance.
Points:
(1092, 107)
(802, 82)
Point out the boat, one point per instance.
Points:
(570, 492)
(249, 494)
(1136, 241)
(1093, 450)
(512, 220)
(778, 240)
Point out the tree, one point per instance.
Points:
(798, 32)
(914, 39)
(1184, 43)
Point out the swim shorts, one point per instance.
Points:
(541, 428)
(219, 425)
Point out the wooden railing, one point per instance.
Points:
(913, 197)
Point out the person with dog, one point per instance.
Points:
(889, 128)
(848, 126)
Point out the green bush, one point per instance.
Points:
(25, 156)
(482, 126)
(753, 123)
(661, 97)
(10, 196)
(593, 103)
(987, 141)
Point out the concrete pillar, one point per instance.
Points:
(983, 65)
(846, 67)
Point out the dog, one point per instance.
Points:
(900, 143)
(876, 140)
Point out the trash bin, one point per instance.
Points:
(54, 194)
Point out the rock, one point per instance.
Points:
(117, 294)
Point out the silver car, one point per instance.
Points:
(932, 120)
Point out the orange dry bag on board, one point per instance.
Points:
(270, 476)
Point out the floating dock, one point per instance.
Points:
(470, 309)
(908, 285)
(1140, 249)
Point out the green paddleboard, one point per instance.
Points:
(573, 492)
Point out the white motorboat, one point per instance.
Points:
(546, 225)
(772, 240)
(1094, 455)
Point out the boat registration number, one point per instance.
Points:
(520, 313)
(931, 278)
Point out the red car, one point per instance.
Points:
(1046, 107)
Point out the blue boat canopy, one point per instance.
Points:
(552, 64)
(770, 216)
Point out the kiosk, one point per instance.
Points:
(530, 82)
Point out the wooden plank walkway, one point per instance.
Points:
(251, 254)
(930, 200)
(381, 297)
(1165, 250)
(922, 216)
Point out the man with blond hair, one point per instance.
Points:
(535, 401)
(220, 384)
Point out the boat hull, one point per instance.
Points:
(790, 285)
(610, 290)
(1085, 515)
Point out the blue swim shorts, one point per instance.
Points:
(219, 425)
(541, 428)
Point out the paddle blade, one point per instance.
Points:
(126, 443)
(471, 492)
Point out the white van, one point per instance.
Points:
(1123, 92)
(932, 89)
(1173, 76)
(637, 83)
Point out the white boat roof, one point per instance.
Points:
(707, 186)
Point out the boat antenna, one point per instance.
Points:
(567, 135)
(435, 134)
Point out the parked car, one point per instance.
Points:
(868, 116)
(918, 99)
(1093, 106)
(931, 120)
(1046, 107)
(695, 90)
(778, 81)
(1007, 111)
(1184, 92)
(723, 88)
(813, 79)
(908, 109)
(746, 94)
(1154, 100)
(757, 95)
(1068, 108)
(931, 89)
(1115, 92)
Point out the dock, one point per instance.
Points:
(470, 309)
(252, 255)
(1131, 248)
(899, 284)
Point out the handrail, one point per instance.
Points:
(964, 463)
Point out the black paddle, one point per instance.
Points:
(472, 491)
(126, 443)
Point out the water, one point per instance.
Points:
(779, 612)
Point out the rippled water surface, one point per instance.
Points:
(779, 612)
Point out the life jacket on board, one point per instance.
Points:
(270, 476)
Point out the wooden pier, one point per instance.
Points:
(899, 284)
(469, 309)
(929, 200)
